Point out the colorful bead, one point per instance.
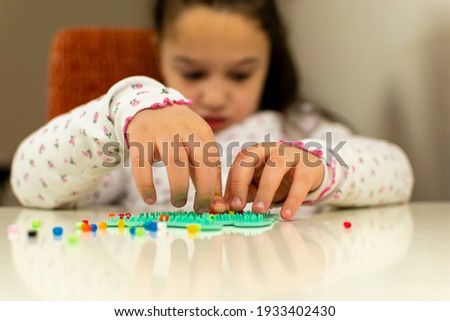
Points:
(193, 228)
(111, 215)
(347, 224)
(36, 224)
(128, 215)
(164, 218)
(85, 227)
(57, 231)
(94, 227)
(153, 226)
(121, 216)
(140, 231)
(102, 225)
(133, 230)
(121, 223)
(78, 225)
(13, 229)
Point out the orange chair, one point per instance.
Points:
(85, 62)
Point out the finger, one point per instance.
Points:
(204, 160)
(176, 161)
(226, 195)
(252, 190)
(241, 175)
(141, 160)
(301, 185)
(218, 204)
(271, 178)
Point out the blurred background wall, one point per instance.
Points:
(384, 66)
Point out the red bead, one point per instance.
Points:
(347, 224)
(86, 227)
(164, 218)
(86, 221)
(121, 216)
(128, 215)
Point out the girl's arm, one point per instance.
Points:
(65, 160)
(359, 171)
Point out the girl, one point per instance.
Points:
(244, 124)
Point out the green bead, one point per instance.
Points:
(36, 224)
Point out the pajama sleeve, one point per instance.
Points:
(66, 160)
(359, 171)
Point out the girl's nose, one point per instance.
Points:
(214, 97)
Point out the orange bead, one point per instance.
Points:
(164, 218)
(86, 227)
(102, 225)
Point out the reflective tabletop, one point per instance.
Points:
(389, 253)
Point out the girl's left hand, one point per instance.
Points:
(272, 172)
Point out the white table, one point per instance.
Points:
(389, 253)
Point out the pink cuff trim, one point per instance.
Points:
(318, 153)
(164, 103)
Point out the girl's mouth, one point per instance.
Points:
(215, 122)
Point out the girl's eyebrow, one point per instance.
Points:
(247, 61)
(189, 61)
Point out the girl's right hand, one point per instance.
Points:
(185, 143)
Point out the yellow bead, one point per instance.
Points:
(121, 223)
(193, 228)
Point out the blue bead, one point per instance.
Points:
(133, 230)
(94, 227)
(147, 226)
(153, 226)
(57, 231)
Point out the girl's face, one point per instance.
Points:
(219, 59)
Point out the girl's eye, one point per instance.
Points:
(195, 75)
(239, 76)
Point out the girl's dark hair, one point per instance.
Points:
(282, 85)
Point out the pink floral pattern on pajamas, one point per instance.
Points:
(61, 164)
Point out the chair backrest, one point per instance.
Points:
(85, 62)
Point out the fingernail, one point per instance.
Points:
(287, 213)
(236, 202)
(218, 203)
(149, 200)
(179, 203)
(259, 205)
(203, 210)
